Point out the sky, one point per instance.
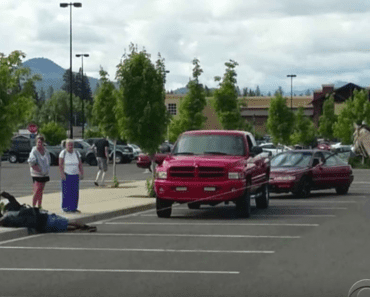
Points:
(322, 42)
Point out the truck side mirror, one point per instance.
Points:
(256, 150)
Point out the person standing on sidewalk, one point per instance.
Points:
(39, 161)
(71, 171)
(101, 148)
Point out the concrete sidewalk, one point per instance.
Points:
(95, 204)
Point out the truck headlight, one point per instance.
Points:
(235, 175)
(162, 174)
(286, 177)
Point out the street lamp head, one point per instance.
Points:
(82, 55)
(86, 55)
(77, 4)
(63, 4)
(291, 75)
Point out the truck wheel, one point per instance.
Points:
(53, 160)
(304, 188)
(342, 190)
(164, 208)
(13, 158)
(243, 205)
(119, 158)
(194, 205)
(91, 161)
(263, 200)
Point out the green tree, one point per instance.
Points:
(42, 96)
(105, 112)
(191, 106)
(304, 131)
(356, 110)
(279, 91)
(50, 92)
(56, 109)
(144, 117)
(54, 133)
(16, 104)
(226, 102)
(258, 91)
(327, 120)
(280, 120)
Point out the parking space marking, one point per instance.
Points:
(272, 215)
(185, 235)
(213, 224)
(314, 201)
(135, 250)
(119, 270)
(20, 238)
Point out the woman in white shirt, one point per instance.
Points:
(71, 171)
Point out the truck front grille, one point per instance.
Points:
(201, 172)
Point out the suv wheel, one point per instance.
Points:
(13, 158)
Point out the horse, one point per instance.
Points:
(361, 140)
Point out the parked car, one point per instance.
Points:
(300, 171)
(124, 154)
(272, 149)
(81, 146)
(20, 148)
(136, 150)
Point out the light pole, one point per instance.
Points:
(75, 4)
(83, 92)
(291, 89)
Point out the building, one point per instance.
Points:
(256, 110)
(340, 96)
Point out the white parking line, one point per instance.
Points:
(119, 270)
(213, 224)
(273, 215)
(21, 238)
(314, 201)
(135, 250)
(183, 235)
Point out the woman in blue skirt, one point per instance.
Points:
(71, 171)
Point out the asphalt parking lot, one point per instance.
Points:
(298, 247)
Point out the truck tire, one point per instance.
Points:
(243, 204)
(342, 190)
(91, 160)
(304, 188)
(164, 208)
(263, 200)
(194, 205)
(13, 158)
(53, 160)
(119, 158)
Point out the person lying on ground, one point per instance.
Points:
(17, 215)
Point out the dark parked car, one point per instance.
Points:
(300, 171)
(20, 149)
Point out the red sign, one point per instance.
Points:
(32, 128)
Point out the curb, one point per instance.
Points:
(14, 233)
(112, 214)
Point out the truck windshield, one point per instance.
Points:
(210, 144)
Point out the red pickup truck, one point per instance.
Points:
(211, 167)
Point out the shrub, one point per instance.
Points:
(53, 133)
(356, 162)
(150, 187)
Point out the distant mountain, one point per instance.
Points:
(52, 74)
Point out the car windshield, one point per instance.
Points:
(295, 159)
(210, 144)
(84, 144)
